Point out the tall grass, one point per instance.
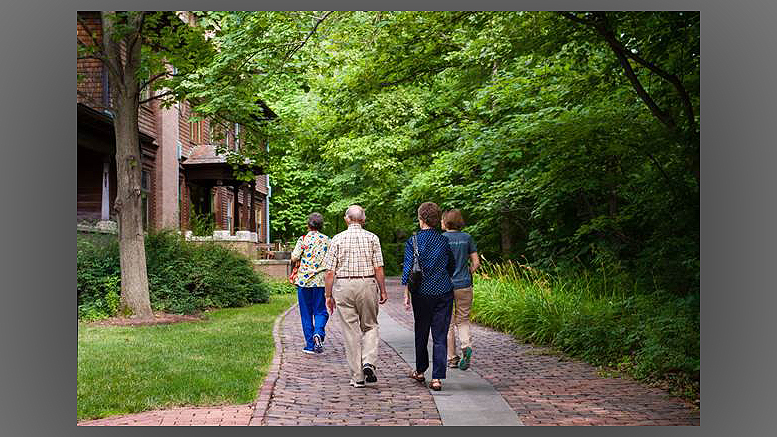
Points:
(597, 317)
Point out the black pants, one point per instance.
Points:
(431, 313)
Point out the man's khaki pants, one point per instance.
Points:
(357, 308)
(462, 298)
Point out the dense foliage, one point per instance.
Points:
(184, 277)
(568, 140)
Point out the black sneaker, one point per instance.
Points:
(317, 347)
(369, 372)
(357, 384)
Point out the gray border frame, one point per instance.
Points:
(738, 226)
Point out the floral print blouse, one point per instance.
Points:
(310, 250)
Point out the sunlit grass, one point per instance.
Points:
(222, 360)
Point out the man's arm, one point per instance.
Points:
(329, 280)
(377, 265)
(381, 278)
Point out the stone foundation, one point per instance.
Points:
(243, 242)
(275, 268)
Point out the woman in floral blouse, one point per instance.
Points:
(310, 251)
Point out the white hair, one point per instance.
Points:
(355, 213)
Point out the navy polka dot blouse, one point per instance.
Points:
(436, 260)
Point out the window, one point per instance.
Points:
(145, 188)
(195, 131)
(237, 136)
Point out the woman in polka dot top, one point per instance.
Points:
(432, 304)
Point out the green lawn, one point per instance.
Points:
(223, 360)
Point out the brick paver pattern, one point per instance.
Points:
(206, 416)
(314, 390)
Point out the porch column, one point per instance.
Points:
(252, 214)
(106, 194)
(235, 210)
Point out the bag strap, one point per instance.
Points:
(416, 256)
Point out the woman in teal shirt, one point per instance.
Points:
(465, 253)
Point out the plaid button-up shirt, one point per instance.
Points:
(354, 252)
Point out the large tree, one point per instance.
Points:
(137, 49)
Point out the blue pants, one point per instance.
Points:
(431, 313)
(312, 310)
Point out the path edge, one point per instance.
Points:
(265, 392)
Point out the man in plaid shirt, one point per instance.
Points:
(353, 280)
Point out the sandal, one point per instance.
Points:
(417, 376)
(435, 385)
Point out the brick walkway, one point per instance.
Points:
(314, 389)
(303, 389)
(543, 390)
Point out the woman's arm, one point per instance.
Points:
(474, 262)
(296, 254)
(450, 265)
(408, 261)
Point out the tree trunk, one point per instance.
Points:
(123, 68)
(134, 279)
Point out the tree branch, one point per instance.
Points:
(665, 118)
(600, 26)
(671, 78)
(136, 22)
(83, 24)
(112, 47)
(302, 44)
(158, 96)
(155, 77)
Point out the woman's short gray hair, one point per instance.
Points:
(355, 213)
(316, 221)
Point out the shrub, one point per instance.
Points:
(183, 277)
(280, 286)
(97, 276)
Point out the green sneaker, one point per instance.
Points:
(466, 355)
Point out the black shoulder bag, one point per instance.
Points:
(416, 276)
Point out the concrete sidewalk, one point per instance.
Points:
(466, 398)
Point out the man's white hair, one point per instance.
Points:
(355, 213)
